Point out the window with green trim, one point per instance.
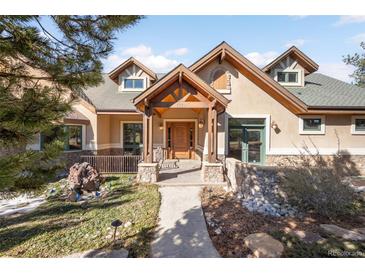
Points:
(132, 138)
(70, 134)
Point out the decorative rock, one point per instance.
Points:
(360, 230)
(84, 177)
(218, 231)
(342, 232)
(307, 236)
(72, 196)
(264, 246)
(83, 204)
(259, 187)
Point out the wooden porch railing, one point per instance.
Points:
(114, 163)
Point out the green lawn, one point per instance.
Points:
(58, 228)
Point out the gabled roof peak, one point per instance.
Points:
(307, 62)
(115, 72)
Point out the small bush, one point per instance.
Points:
(313, 183)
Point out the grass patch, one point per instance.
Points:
(331, 247)
(58, 228)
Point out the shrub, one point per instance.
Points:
(314, 183)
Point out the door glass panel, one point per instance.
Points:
(254, 146)
(235, 143)
(132, 138)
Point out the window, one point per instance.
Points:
(132, 138)
(358, 125)
(73, 138)
(71, 135)
(287, 77)
(219, 79)
(133, 84)
(312, 125)
(169, 137)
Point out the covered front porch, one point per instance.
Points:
(180, 116)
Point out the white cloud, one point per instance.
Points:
(296, 42)
(261, 59)
(140, 50)
(158, 63)
(178, 52)
(357, 39)
(144, 54)
(350, 19)
(340, 71)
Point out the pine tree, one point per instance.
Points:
(45, 63)
(358, 61)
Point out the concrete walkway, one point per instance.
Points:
(182, 232)
(187, 173)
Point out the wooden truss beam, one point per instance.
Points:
(180, 104)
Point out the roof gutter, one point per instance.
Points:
(116, 111)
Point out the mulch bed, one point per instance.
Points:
(236, 222)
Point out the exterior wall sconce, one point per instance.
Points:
(201, 124)
(274, 125)
(161, 126)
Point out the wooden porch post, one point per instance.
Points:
(150, 137)
(145, 137)
(210, 134)
(215, 136)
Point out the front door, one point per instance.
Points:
(180, 140)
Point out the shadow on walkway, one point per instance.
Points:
(182, 231)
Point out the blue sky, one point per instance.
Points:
(162, 42)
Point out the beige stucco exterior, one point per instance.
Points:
(247, 100)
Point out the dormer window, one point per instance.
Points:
(132, 84)
(288, 77)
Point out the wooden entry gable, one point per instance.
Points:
(183, 89)
(175, 87)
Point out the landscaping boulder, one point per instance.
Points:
(360, 230)
(264, 246)
(84, 177)
(306, 236)
(342, 232)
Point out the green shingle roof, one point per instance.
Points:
(324, 91)
(319, 91)
(106, 97)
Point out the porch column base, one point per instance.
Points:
(147, 172)
(212, 173)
